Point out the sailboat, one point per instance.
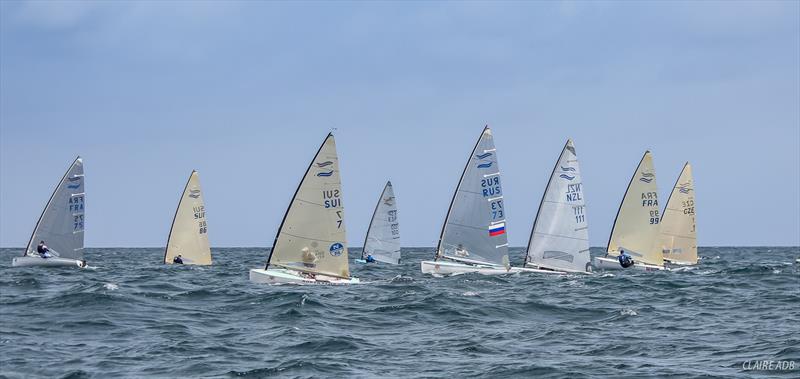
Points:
(383, 234)
(678, 239)
(636, 227)
(473, 237)
(311, 244)
(60, 226)
(559, 241)
(188, 236)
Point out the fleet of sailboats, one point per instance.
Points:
(188, 236)
(310, 246)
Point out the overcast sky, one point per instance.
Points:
(246, 92)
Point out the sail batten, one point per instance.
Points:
(559, 238)
(475, 225)
(188, 236)
(312, 234)
(636, 226)
(678, 240)
(383, 234)
(61, 223)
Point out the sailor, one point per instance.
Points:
(82, 263)
(461, 252)
(625, 260)
(309, 258)
(370, 258)
(178, 260)
(43, 250)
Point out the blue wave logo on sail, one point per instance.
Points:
(685, 187)
(75, 182)
(324, 164)
(485, 165)
(565, 176)
(567, 168)
(483, 156)
(389, 200)
(647, 177)
(336, 249)
(194, 194)
(325, 174)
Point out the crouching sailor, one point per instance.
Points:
(369, 258)
(177, 260)
(625, 260)
(43, 250)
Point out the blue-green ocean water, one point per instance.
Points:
(134, 317)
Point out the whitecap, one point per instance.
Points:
(628, 312)
(607, 275)
(776, 271)
(110, 286)
(469, 293)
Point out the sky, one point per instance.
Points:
(245, 92)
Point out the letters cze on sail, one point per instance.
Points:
(383, 235)
(188, 236)
(312, 235)
(61, 224)
(678, 240)
(560, 238)
(475, 228)
(636, 227)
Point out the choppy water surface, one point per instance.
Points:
(133, 317)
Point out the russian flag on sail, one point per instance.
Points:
(497, 229)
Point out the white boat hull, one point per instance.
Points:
(449, 268)
(612, 264)
(284, 276)
(33, 261)
(537, 270)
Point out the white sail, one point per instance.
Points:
(475, 227)
(560, 237)
(383, 234)
(637, 224)
(188, 236)
(678, 240)
(312, 236)
(61, 224)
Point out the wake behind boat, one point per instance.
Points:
(188, 237)
(559, 241)
(636, 226)
(382, 243)
(473, 237)
(311, 244)
(57, 238)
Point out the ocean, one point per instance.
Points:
(133, 317)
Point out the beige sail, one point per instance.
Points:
(312, 235)
(637, 225)
(678, 240)
(189, 233)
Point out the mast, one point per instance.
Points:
(455, 193)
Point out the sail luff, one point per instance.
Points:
(372, 220)
(175, 216)
(541, 202)
(289, 208)
(439, 252)
(47, 206)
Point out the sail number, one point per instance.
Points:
(654, 217)
(392, 218)
(688, 207)
(573, 192)
(497, 210)
(491, 186)
(580, 216)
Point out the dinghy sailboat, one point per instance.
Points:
(559, 239)
(383, 235)
(678, 240)
(188, 236)
(636, 227)
(311, 244)
(473, 237)
(60, 226)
